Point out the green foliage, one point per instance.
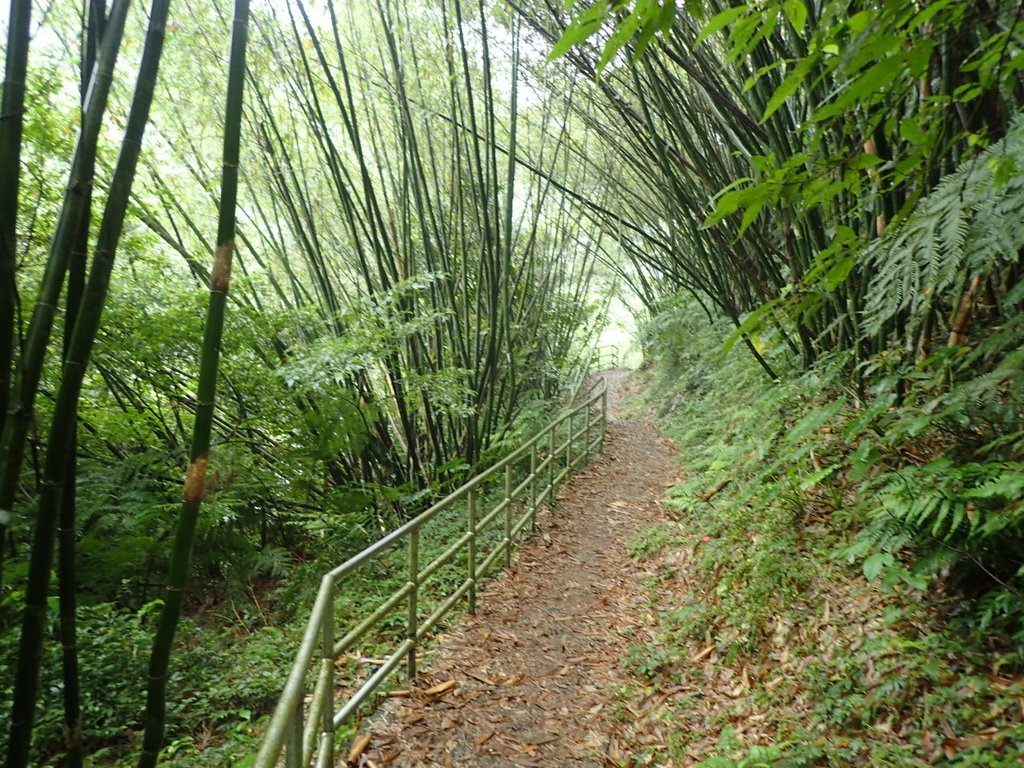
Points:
(941, 471)
(796, 490)
(636, 26)
(759, 757)
(649, 541)
(968, 225)
(650, 660)
(789, 187)
(225, 678)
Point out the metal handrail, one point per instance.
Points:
(606, 356)
(298, 730)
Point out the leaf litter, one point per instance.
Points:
(536, 677)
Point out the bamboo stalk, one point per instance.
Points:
(12, 107)
(66, 535)
(194, 489)
(30, 366)
(63, 427)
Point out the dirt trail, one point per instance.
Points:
(536, 669)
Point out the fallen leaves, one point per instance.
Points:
(532, 680)
(702, 654)
(481, 740)
(358, 747)
(440, 688)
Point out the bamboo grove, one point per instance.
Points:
(842, 182)
(780, 141)
(407, 293)
(418, 207)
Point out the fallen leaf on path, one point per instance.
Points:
(440, 688)
(703, 654)
(594, 740)
(358, 747)
(613, 754)
(484, 739)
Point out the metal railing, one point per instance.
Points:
(606, 356)
(302, 724)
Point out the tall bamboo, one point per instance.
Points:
(67, 586)
(220, 277)
(30, 365)
(12, 107)
(60, 445)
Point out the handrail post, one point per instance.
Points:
(414, 585)
(508, 515)
(568, 445)
(293, 746)
(604, 413)
(586, 434)
(471, 548)
(533, 486)
(551, 467)
(327, 669)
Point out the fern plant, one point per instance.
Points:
(969, 225)
(940, 460)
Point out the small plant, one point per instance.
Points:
(650, 660)
(758, 757)
(649, 542)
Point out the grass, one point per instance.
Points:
(775, 649)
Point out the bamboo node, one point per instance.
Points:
(195, 480)
(220, 277)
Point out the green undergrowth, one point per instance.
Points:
(226, 674)
(809, 612)
(235, 652)
(233, 658)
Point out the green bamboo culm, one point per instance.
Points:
(12, 108)
(220, 276)
(67, 580)
(30, 366)
(454, 221)
(60, 444)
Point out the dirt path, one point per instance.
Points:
(536, 669)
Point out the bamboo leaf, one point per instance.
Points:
(796, 12)
(719, 22)
(580, 29)
(794, 81)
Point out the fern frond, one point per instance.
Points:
(969, 224)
